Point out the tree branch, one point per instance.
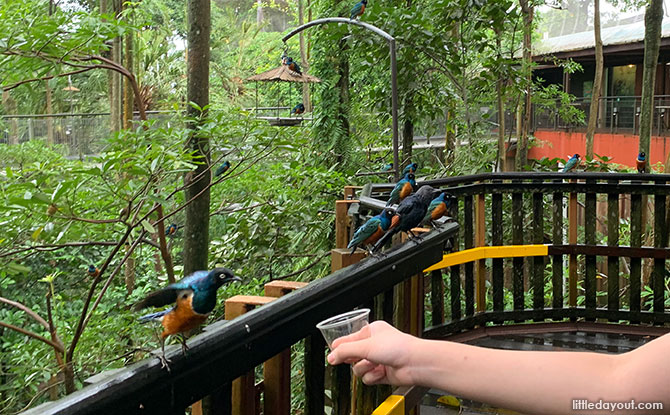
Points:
(33, 335)
(26, 310)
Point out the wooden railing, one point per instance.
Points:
(216, 375)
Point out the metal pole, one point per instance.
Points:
(394, 109)
(394, 72)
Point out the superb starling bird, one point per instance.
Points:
(571, 163)
(171, 229)
(438, 207)
(641, 162)
(298, 109)
(402, 189)
(358, 9)
(293, 65)
(387, 167)
(410, 168)
(93, 271)
(372, 230)
(222, 168)
(194, 298)
(409, 214)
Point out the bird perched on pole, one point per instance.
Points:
(438, 207)
(410, 168)
(641, 162)
(571, 163)
(93, 271)
(402, 189)
(293, 65)
(358, 9)
(408, 215)
(194, 297)
(171, 229)
(371, 231)
(222, 168)
(298, 109)
(387, 167)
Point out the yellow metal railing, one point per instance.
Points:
(393, 405)
(484, 252)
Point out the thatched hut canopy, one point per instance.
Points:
(283, 73)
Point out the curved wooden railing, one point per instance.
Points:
(575, 251)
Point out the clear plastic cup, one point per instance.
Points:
(343, 324)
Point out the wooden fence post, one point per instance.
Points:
(244, 388)
(572, 240)
(342, 222)
(277, 370)
(480, 240)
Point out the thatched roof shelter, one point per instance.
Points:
(283, 73)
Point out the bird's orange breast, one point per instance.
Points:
(405, 191)
(439, 211)
(182, 318)
(374, 237)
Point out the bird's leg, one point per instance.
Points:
(164, 360)
(182, 341)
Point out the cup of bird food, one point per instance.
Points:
(343, 324)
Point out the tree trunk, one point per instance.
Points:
(522, 139)
(259, 13)
(10, 107)
(343, 86)
(115, 93)
(500, 84)
(449, 138)
(303, 58)
(196, 227)
(597, 82)
(49, 111)
(128, 101)
(653, 17)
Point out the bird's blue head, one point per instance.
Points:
(385, 218)
(289, 60)
(364, 2)
(413, 167)
(222, 276)
(642, 156)
(91, 269)
(576, 156)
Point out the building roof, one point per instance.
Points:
(616, 35)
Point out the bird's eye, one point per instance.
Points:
(185, 296)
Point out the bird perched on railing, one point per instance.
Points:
(222, 168)
(358, 9)
(402, 189)
(409, 214)
(194, 298)
(93, 271)
(171, 229)
(410, 168)
(293, 65)
(571, 163)
(298, 109)
(641, 162)
(372, 230)
(438, 207)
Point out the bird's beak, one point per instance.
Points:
(232, 279)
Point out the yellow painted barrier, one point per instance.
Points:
(483, 252)
(393, 405)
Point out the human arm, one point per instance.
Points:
(535, 382)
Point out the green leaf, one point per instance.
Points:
(148, 226)
(37, 233)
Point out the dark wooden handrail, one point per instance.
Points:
(223, 353)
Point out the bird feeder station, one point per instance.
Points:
(281, 74)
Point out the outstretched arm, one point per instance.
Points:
(535, 382)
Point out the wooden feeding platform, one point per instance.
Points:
(282, 74)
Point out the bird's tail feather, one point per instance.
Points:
(154, 316)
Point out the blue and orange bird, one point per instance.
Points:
(222, 168)
(171, 229)
(438, 207)
(358, 9)
(641, 162)
(93, 271)
(298, 109)
(571, 163)
(410, 168)
(371, 231)
(387, 167)
(293, 65)
(402, 189)
(194, 298)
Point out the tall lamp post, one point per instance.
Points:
(394, 71)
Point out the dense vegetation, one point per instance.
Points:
(271, 213)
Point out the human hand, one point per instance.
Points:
(381, 353)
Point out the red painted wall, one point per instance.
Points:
(622, 148)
